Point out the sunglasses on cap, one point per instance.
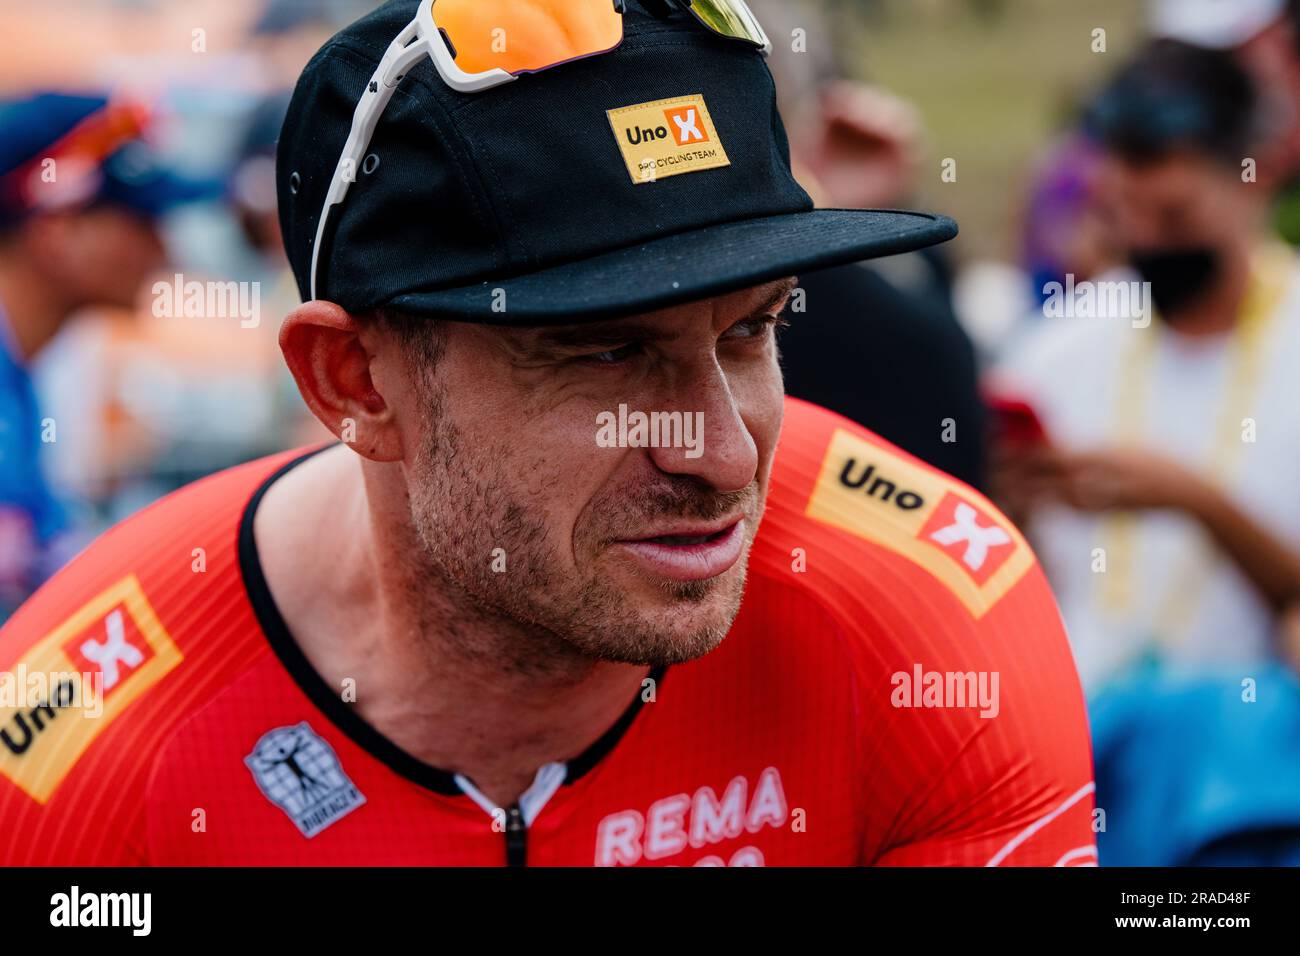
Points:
(476, 45)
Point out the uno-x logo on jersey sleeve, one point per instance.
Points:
(923, 515)
(667, 137)
(109, 652)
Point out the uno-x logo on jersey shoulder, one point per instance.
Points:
(923, 515)
(112, 650)
(667, 137)
(298, 771)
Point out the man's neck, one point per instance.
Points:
(35, 309)
(445, 683)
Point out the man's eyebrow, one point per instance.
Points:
(778, 296)
(597, 335)
(621, 332)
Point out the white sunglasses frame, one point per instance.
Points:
(419, 39)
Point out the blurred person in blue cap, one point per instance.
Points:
(80, 195)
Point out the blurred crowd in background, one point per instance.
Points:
(1151, 452)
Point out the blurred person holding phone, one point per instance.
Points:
(80, 196)
(1157, 461)
(1265, 37)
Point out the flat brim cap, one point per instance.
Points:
(559, 197)
(681, 268)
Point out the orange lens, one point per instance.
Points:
(523, 36)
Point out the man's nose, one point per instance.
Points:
(714, 443)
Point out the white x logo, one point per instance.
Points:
(686, 128)
(978, 539)
(114, 649)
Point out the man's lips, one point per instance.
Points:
(688, 552)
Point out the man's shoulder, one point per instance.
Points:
(146, 624)
(856, 521)
(935, 613)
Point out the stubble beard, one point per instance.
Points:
(537, 617)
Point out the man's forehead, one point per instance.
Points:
(756, 300)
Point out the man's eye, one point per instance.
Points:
(753, 328)
(610, 356)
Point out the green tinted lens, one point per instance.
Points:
(730, 18)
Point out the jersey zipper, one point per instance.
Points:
(516, 837)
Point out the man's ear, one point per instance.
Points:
(330, 357)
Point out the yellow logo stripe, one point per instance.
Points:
(54, 749)
(883, 509)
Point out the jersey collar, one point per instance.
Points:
(332, 705)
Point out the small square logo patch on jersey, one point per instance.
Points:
(298, 771)
(71, 685)
(667, 138)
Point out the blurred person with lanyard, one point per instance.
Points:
(1265, 36)
(1162, 493)
(884, 346)
(80, 195)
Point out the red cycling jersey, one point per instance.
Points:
(897, 689)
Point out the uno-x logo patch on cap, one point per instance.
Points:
(922, 514)
(667, 137)
(114, 648)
